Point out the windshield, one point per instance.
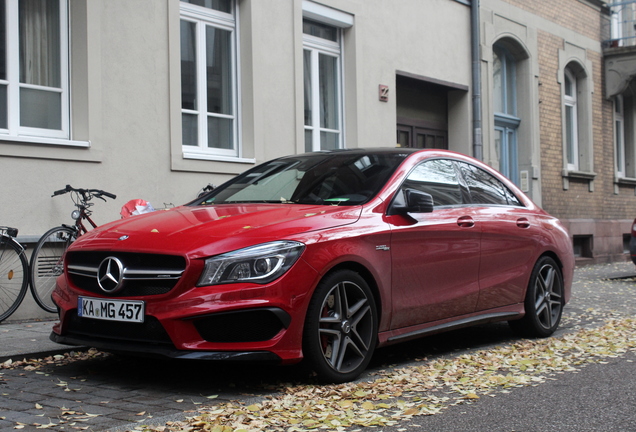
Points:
(340, 178)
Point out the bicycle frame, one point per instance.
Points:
(79, 224)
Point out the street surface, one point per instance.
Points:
(96, 391)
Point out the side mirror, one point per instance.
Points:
(410, 200)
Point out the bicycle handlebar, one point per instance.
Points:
(86, 193)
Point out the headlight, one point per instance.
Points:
(259, 264)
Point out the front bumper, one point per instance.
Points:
(245, 322)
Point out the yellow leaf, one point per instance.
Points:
(368, 406)
(346, 404)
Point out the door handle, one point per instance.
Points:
(466, 222)
(523, 223)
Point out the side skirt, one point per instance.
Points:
(452, 325)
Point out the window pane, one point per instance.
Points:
(568, 85)
(619, 145)
(569, 133)
(188, 66)
(40, 109)
(307, 78)
(328, 91)
(439, 179)
(220, 5)
(328, 141)
(483, 187)
(497, 84)
(219, 70)
(3, 44)
(220, 134)
(322, 31)
(308, 140)
(39, 23)
(511, 82)
(189, 130)
(3, 107)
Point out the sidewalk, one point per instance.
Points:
(28, 340)
(31, 339)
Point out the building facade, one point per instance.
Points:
(155, 99)
(545, 80)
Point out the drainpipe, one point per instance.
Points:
(476, 75)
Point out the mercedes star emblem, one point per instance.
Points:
(110, 275)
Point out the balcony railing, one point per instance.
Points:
(622, 24)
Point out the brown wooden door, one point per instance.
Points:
(418, 137)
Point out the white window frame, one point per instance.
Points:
(317, 46)
(14, 131)
(571, 101)
(203, 17)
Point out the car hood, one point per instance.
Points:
(201, 231)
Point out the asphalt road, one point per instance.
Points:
(103, 392)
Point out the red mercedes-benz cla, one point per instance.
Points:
(322, 257)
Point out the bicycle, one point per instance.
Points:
(14, 272)
(47, 260)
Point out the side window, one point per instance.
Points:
(439, 179)
(486, 189)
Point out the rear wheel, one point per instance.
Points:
(14, 277)
(544, 301)
(47, 263)
(341, 327)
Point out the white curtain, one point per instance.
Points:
(40, 42)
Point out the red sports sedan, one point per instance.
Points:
(322, 257)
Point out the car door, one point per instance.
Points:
(509, 238)
(435, 256)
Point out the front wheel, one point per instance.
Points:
(544, 301)
(341, 327)
(47, 263)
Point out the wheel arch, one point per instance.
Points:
(368, 277)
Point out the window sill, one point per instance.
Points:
(43, 140)
(213, 164)
(578, 175)
(49, 148)
(625, 181)
(217, 158)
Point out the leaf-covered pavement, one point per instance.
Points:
(396, 395)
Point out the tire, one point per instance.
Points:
(544, 301)
(341, 327)
(47, 263)
(14, 277)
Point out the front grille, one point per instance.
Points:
(242, 326)
(150, 331)
(144, 274)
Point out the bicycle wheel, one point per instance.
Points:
(47, 263)
(14, 276)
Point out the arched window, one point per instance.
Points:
(505, 108)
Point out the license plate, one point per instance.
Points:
(111, 310)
